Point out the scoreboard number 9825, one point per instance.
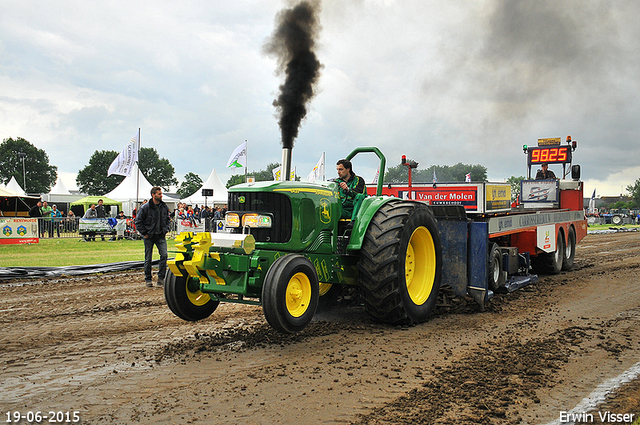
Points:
(549, 154)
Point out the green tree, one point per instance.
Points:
(192, 182)
(634, 193)
(515, 186)
(40, 176)
(444, 173)
(93, 179)
(260, 176)
(397, 174)
(235, 179)
(158, 171)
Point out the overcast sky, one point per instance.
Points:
(439, 81)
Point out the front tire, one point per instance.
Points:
(290, 293)
(184, 300)
(401, 263)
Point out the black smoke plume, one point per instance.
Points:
(292, 43)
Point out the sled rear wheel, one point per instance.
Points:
(570, 250)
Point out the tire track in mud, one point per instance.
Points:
(489, 385)
(494, 382)
(108, 330)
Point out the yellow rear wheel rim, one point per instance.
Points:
(420, 265)
(298, 294)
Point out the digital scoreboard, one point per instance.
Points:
(549, 154)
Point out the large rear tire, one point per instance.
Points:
(569, 250)
(185, 301)
(290, 293)
(401, 263)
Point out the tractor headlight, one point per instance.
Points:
(256, 220)
(232, 220)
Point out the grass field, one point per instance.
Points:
(607, 226)
(57, 252)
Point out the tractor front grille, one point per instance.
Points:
(276, 204)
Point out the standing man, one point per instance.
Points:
(350, 185)
(101, 212)
(36, 212)
(152, 222)
(56, 218)
(46, 213)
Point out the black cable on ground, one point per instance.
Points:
(39, 272)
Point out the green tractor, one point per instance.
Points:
(287, 246)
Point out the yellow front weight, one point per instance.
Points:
(182, 241)
(201, 246)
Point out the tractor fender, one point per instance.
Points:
(370, 205)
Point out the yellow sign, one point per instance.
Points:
(553, 141)
(498, 196)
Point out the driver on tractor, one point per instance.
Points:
(350, 185)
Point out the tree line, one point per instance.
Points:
(40, 176)
(30, 167)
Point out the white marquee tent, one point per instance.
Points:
(59, 193)
(15, 187)
(131, 191)
(219, 192)
(59, 188)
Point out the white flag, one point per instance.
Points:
(375, 178)
(277, 172)
(467, 177)
(123, 164)
(239, 157)
(318, 170)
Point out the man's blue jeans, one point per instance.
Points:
(161, 242)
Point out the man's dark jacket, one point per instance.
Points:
(100, 211)
(148, 216)
(35, 211)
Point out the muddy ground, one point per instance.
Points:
(109, 348)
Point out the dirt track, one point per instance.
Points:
(109, 348)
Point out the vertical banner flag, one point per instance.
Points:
(318, 170)
(239, 157)
(435, 179)
(592, 203)
(467, 177)
(123, 164)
